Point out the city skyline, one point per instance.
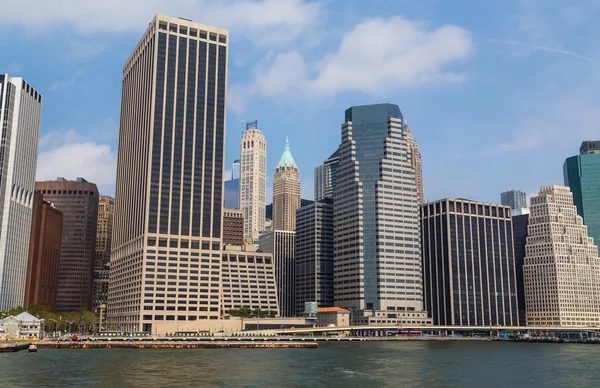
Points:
(504, 45)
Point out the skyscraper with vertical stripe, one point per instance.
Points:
(168, 198)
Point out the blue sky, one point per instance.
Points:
(497, 93)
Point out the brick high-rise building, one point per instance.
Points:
(562, 268)
(78, 201)
(286, 191)
(20, 113)
(44, 254)
(169, 188)
(233, 226)
(106, 211)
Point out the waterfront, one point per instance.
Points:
(341, 364)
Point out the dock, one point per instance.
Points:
(177, 345)
(13, 347)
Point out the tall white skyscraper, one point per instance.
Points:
(20, 113)
(253, 180)
(169, 190)
(561, 268)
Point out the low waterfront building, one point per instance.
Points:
(23, 325)
(561, 267)
(469, 272)
(336, 316)
(248, 280)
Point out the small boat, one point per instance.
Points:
(32, 348)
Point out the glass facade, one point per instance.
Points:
(232, 193)
(582, 175)
(370, 129)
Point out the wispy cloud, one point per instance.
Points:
(552, 50)
(62, 84)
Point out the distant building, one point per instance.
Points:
(286, 191)
(520, 223)
(248, 279)
(23, 325)
(333, 316)
(78, 201)
(377, 239)
(231, 195)
(233, 226)
(514, 199)
(314, 255)
(325, 177)
(281, 245)
(20, 113)
(106, 211)
(415, 160)
(44, 255)
(253, 179)
(562, 266)
(468, 264)
(582, 175)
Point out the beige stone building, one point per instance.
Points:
(286, 192)
(415, 160)
(165, 271)
(562, 268)
(336, 316)
(253, 180)
(106, 211)
(248, 279)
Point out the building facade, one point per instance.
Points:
(78, 201)
(233, 226)
(520, 223)
(253, 180)
(169, 189)
(468, 264)
(582, 175)
(20, 114)
(377, 239)
(281, 244)
(416, 162)
(515, 199)
(248, 279)
(106, 211)
(286, 191)
(333, 316)
(314, 255)
(325, 177)
(23, 325)
(562, 267)
(44, 255)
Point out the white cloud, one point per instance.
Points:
(63, 84)
(95, 162)
(57, 138)
(267, 22)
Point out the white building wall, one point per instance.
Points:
(253, 182)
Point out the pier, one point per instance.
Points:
(177, 345)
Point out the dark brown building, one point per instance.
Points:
(78, 201)
(233, 226)
(44, 254)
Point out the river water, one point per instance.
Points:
(334, 364)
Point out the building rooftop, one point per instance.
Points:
(287, 160)
(332, 310)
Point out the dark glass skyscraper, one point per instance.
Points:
(520, 223)
(169, 191)
(468, 264)
(582, 175)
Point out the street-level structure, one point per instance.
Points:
(20, 114)
(166, 248)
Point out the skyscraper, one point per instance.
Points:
(582, 175)
(515, 199)
(314, 255)
(415, 161)
(169, 190)
(520, 223)
(468, 264)
(286, 191)
(78, 201)
(253, 180)
(377, 238)
(106, 211)
(325, 177)
(44, 255)
(20, 112)
(281, 245)
(562, 267)
(232, 188)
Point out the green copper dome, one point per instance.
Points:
(287, 160)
